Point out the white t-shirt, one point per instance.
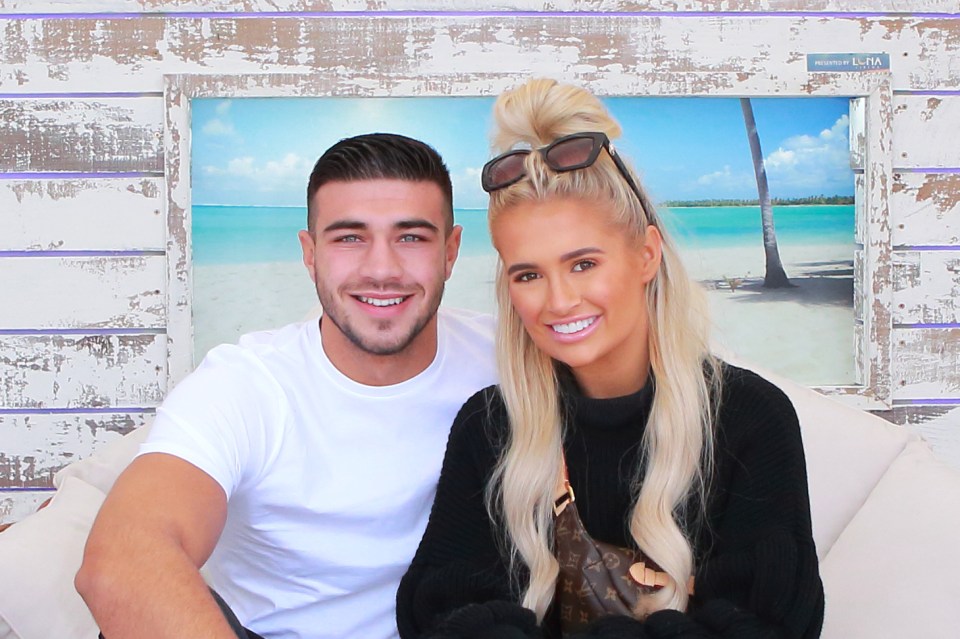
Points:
(329, 482)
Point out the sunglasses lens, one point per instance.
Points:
(504, 171)
(574, 153)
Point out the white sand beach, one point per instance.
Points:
(804, 332)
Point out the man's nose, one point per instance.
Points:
(382, 262)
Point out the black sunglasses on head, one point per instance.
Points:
(569, 153)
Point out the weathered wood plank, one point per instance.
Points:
(111, 214)
(83, 292)
(926, 208)
(925, 131)
(34, 447)
(75, 371)
(926, 363)
(926, 287)
(387, 52)
(938, 425)
(15, 505)
(270, 6)
(81, 135)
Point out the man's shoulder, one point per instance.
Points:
(466, 326)
(258, 346)
(466, 319)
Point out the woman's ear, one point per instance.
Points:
(651, 251)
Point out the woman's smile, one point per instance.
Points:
(579, 288)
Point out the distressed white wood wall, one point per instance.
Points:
(83, 237)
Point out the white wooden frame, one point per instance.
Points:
(871, 94)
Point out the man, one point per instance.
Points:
(300, 465)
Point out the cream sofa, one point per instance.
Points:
(886, 518)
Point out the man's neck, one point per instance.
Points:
(370, 369)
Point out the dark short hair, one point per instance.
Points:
(378, 156)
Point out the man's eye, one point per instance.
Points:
(348, 238)
(583, 265)
(410, 237)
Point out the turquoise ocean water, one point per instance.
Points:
(245, 234)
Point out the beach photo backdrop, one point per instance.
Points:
(251, 157)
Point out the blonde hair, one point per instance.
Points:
(678, 439)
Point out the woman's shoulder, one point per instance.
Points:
(482, 420)
(751, 405)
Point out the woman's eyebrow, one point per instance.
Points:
(572, 255)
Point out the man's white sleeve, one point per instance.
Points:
(224, 418)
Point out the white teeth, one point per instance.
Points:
(375, 301)
(573, 327)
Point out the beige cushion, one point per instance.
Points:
(895, 570)
(102, 468)
(39, 557)
(847, 451)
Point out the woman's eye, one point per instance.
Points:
(583, 265)
(525, 277)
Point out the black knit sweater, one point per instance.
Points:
(756, 565)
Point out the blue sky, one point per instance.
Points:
(259, 151)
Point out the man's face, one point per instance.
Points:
(379, 257)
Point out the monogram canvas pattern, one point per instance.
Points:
(594, 577)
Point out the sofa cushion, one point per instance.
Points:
(847, 450)
(102, 468)
(40, 555)
(899, 553)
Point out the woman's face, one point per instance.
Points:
(578, 284)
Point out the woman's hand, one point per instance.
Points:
(490, 620)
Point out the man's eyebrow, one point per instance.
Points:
(341, 225)
(566, 257)
(417, 223)
(357, 225)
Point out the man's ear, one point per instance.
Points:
(652, 253)
(452, 249)
(308, 246)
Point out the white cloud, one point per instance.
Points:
(223, 107)
(717, 177)
(467, 190)
(291, 171)
(217, 127)
(812, 164)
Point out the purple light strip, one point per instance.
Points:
(927, 169)
(68, 175)
(82, 331)
(38, 489)
(130, 253)
(927, 92)
(908, 247)
(77, 411)
(936, 401)
(941, 325)
(146, 94)
(480, 14)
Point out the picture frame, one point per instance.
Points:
(870, 151)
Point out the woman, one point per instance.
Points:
(688, 480)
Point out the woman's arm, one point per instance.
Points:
(757, 570)
(458, 584)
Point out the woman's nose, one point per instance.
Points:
(563, 296)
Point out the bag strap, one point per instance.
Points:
(564, 493)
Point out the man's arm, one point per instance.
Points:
(140, 573)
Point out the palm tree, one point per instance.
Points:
(775, 276)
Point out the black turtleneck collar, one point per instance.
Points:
(627, 412)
